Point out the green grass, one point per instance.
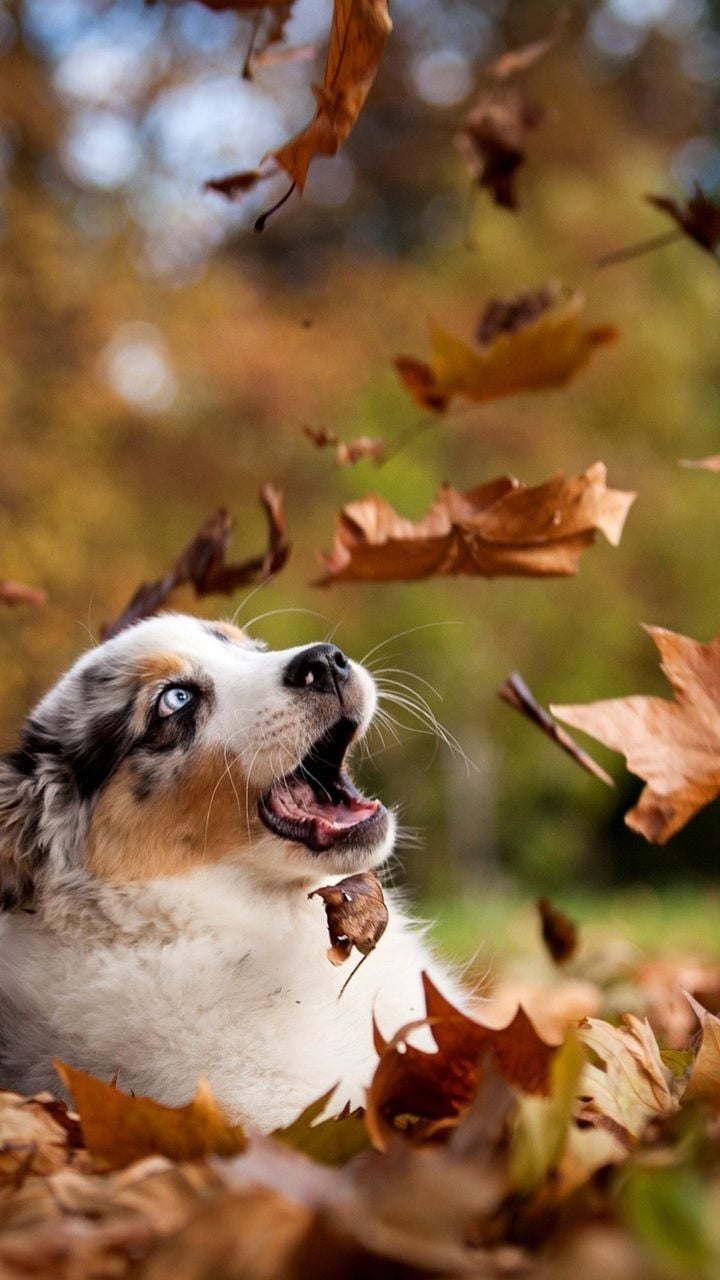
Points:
(503, 926)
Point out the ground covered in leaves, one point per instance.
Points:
(570, 1124)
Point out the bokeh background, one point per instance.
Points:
(157, 359)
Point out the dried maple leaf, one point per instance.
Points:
(423, 1094)
(37, 1136)
(17, 593)
(515, 692)
(698, 217)
(673, 746)
(559, 933)
(631, 1084)
(119, 1129)
(202, 564)
(500, 528)
(530, 342)
(356, 914)
(358, 34)
(493, 137)
(348, 452)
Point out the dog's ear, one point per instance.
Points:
(21, 851)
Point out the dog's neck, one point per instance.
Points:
(221, 900)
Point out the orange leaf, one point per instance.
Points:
(704, 1079)
(531, 342)
(500, 528)
(119, 1129)
(358, 34)
(425, 1093)
(673, 746)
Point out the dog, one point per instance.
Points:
(171, 805)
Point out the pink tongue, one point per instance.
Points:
(297, 801)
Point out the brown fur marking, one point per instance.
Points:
(196, 819)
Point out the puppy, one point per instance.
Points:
(173, 801)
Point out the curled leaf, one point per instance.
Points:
(202, 564)
(358, 34)
(500, 528)
(356, 915)
(531, 342)
(514, 61)
(673, 746)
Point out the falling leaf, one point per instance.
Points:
(515, 692)
(202, 564)
(531, 342)
(348, 452)
(277, 11)
(119, 1128)
(528, 55)
(493, 138)
(631, 1083)
(711, 463)
(704, 1082)
(356, 915)
(17, 593)
(559, 933)
(358, 34)
(673, 746)
(423, 1093)
(698, 217)
(500, 528)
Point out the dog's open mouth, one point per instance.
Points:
(317, 805)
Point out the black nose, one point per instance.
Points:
(321, 667)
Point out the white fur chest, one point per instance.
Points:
(176, 978)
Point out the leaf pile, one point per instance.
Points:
(533, 341)
(499, 528)
(489, 1152)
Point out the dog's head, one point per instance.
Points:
(181, 743)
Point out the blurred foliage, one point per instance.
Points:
(156, 359)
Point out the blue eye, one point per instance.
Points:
(173, 700)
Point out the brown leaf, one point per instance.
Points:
(559, 933)
(698, 217)
(423, 1094)
(630, 1084)
(17, 593)
(348, 452)
(500, 528)
(119, 1129)
(202, 564)
(356, 914)
(358, 34)
(493, 137)
(704, 1082)
(711, 463)
(531, 342)
(673, 746)
(528, 55)
(515, 692)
